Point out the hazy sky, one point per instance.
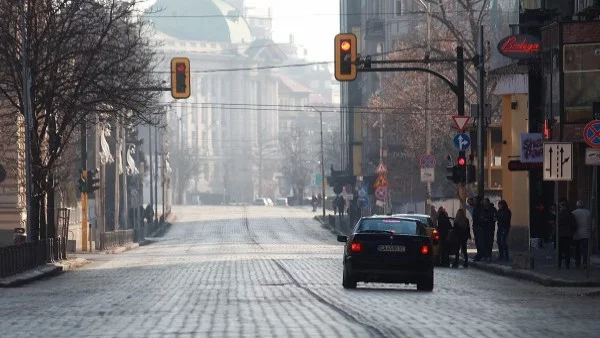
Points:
(314, 23)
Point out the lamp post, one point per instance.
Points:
(322, 167)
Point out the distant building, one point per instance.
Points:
(228, 110)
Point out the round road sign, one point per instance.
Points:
(381, 193)
(591, 134)
(427, 161)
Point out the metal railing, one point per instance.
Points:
(109, 240)
(19, 258)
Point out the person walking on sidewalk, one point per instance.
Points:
(566, 228)
(583, 218)
(462, 231)
(503, 215)
(489, 227)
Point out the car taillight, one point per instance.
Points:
(435, 234)
(355, 247)
(424, 250)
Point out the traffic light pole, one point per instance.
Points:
(84, 195)
(480, 112)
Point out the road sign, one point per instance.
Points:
(381, 169)
(362, 192)
(591, 134)
(381, 182)
(462, 142)
(461, 121)
(363, 201)
(558, 161)
(427, 161)
(592, 156)
(381, 193)
(427, 175)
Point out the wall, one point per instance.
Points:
(515, 188)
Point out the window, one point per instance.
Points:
(398, 226)
(398, 8)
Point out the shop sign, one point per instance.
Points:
(532, 148)
(521, 46)
(520, 166)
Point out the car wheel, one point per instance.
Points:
(426, 284)
(348, 282)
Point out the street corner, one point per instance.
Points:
(30, 276)
(122, 249)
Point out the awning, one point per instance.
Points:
(512, 84)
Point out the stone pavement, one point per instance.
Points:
(275, 272)
(48, 270)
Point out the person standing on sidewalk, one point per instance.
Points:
(503, 215)
(583, 218)
(478, 223)
(462, 230)
(566, 227)
(489, 227)
(443, 227)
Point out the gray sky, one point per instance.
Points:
(314, 24)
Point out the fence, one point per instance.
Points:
(109, 240)
(18, 258)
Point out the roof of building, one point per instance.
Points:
(292, 86)
(216, 21)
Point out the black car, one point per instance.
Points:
(388, 249)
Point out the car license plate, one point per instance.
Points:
(391, 248)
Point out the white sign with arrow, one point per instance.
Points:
(558, 161)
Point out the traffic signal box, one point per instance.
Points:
(345, 57)
(462, 172)
(92, 181)
(180, 78)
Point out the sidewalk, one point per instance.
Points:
(544, 270)
(48, 270)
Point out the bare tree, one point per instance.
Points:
(186, 165)
(296, 159)
(87, 59)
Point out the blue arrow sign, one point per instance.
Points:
(462, 142)
(362, 192)
(363, 201)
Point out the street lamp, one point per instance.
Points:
(322, 161)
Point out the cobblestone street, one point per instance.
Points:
(275, 272)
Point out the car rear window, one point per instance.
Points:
(399, 226)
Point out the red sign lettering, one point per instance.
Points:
(521, 46)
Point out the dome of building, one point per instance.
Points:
(207, 20)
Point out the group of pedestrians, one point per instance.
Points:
(455, 235)
(574, 230)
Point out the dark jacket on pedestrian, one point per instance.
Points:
(443, 225)
(489, 217)
(566, 223)
(503, 216)
(462, 227)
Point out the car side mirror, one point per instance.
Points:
(341, 238)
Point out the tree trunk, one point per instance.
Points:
(42, 217)
(51, 210)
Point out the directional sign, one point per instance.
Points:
(591, 134)
(381, 182)
(461, 121)
(381, 193)
(592, 156)
(427, 161)
(381, 169)
(558, 161)
(462, 142)
(363, 201)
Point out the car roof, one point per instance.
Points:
(411, 215)
(388, 217)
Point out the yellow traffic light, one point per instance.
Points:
(345, 57)
(180, 78)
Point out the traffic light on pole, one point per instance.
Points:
(345, 57)
(461, 161)
(461, 167)
(92, 181)
(180, 78)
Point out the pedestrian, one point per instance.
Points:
(478, 223)
(149, 213)
(313, 201)
(462, 233)
(583, 219)
(566, 228)
(503, 215)
(353, 210)
(489, 227)
(443, 228)
(341, 206)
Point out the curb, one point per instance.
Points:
(122, 249)
(48, 270)
(533, 276)
(325, 224)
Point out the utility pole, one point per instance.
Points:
(156, 175)
(32, 232)
(427, 7)
(322, 167)
(84, 195)
(151, 168)
(124, 190)
(480, 117)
